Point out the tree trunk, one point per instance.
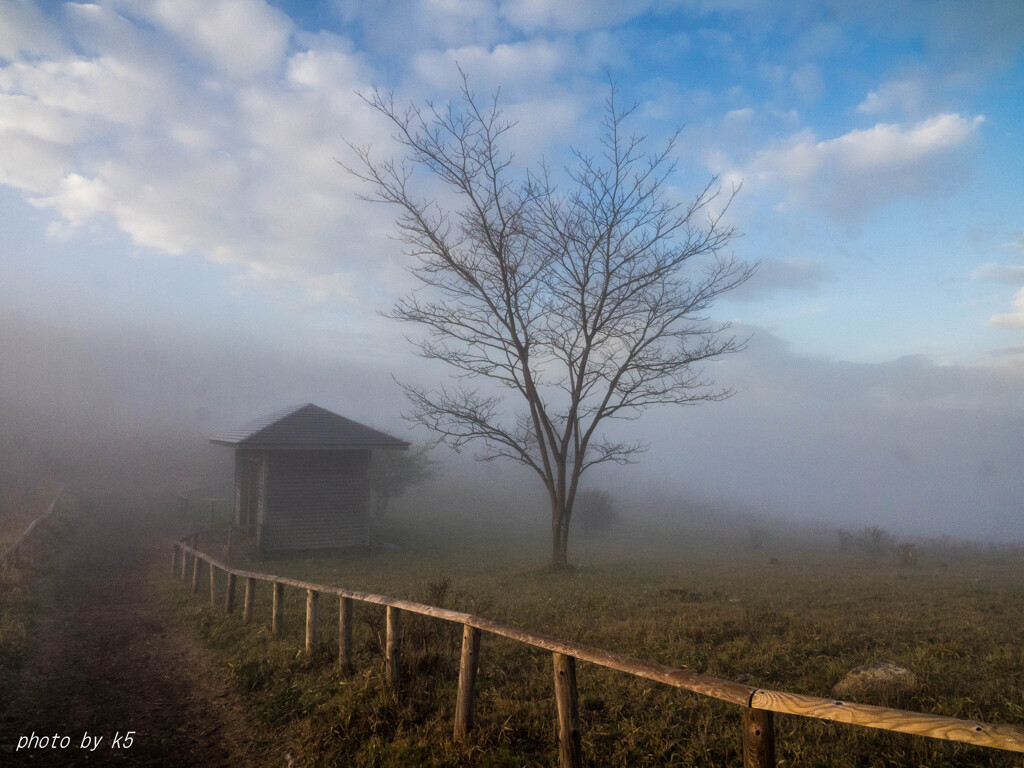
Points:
(559, 536)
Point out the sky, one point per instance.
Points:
(182, 247)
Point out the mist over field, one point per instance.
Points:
(183, 250)
(919, 449)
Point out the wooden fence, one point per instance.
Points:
(757, 705)
(10, 554)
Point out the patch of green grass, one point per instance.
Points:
(795, 619)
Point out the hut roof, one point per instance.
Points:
(307, 427)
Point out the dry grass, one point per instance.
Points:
(22, 580)
(21, 501)
(785, 616)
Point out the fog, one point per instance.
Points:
(182, 251)
(911, 446)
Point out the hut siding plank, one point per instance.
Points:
(315, 500)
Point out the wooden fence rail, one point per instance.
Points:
(757, 705)
(10, 554)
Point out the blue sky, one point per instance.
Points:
(169, 186)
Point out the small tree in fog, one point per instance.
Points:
(392, 473)
(596, 511)
(584, 294)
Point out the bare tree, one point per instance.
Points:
(586, 296)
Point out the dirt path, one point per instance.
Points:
(112, 662)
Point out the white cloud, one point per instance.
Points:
(1018, 244)
(998, 273)
(1012, 320)
(808, 82)
(78, 198)
(773, 275)
(904, 96)
(528, 75)
(33, 118)
(327, 70)
(24, 30)
(244, 38)
(531, 15)
(244, 175)
(104, 87)
(31, 164)
(455, 21)
(519, 68)
(402, 28)
(852, 175)
(1008, 275)
(743, 115)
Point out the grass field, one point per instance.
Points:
(793, 616)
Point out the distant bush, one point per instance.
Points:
(846, 540)
(595, 512)
(875, 541)
(758, 537)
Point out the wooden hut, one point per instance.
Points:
(301, 478)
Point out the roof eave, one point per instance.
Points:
(311, 447)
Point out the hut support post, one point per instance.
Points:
(229, 594)
(758, 738)
(312, 620)
(278, 608)
(195, 574)
(569, 752)
(345, 634)
(184, 565)
(393, 647)
(250, 599)
(468, 664)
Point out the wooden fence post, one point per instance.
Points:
(345, 634)
(393, 647)
(758, 738)
(195, 574)
(312, 620)
(184, 564)
(174, 561)
(250, 599)
(468, 663)
(213, 586)
(569, 754)
(276, 611)
(229, 594)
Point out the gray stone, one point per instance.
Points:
(879, 678)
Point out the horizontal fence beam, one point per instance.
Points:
(883, 718)
(12, 550)
(995, 736)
